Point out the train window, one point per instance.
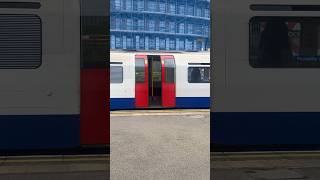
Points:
(169, 70)
(116, 74)
(94, 31)
(140, 71)
(199, 74)
(284, 42)
(20, 41)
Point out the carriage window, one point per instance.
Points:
(199, 74)
(140, 71)
(116, 74)
(284, 42)
(94, 31)
(169, 70)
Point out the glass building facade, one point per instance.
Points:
(180, 25)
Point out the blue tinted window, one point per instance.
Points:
(162, 6)
(172, 27)
(172, 8)
(152, 43)
(162, 26)
(181, 28)
(117, 4)
(152, 6)
(181, 8)
(162, 44)
(152, 25)
(141, 24)
(129, 5)
(172, 44)
(129, 43)
(140, 5)
(118, 43)
(129, 24)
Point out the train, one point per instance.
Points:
(265, 78)
(54, 75)
(144, 80)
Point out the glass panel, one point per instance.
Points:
(199, 74)
(152, 43)
(94, 31)
(162, 44)
(162, 6)
(130, 43)
(169, 70)
(116, 74)
(277, 42)
(156, 71)
(117, 4)
(162, 26)
(172, 44)
(129, 5)
(140, 71)
(140, 5)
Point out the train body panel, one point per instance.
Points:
(38, 109)
(186, 94)
(40, 75)
(259, 102)
(122, 94)
(191, 95)
(40, 89)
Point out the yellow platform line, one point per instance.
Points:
(158, 112)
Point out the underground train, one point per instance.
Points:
(141, 80)
(54, 75)
(265, 82)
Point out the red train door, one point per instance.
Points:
(94, 77)
(141, 81)
(168, 81)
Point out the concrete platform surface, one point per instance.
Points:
(160, 145)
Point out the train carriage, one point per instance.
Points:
(53, 74)
(142, 80)
(265, 78)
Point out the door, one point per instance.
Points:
(141, 81)
(168, 81)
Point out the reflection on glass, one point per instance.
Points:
(199, 74)
(140, 71)
(285, 42)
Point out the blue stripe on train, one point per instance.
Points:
(265, 128)
(122, 103)
(23, 132)
(193, 102)
(181, 102)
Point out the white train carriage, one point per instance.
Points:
(159, 80)
(45, 75)
(266, 73)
